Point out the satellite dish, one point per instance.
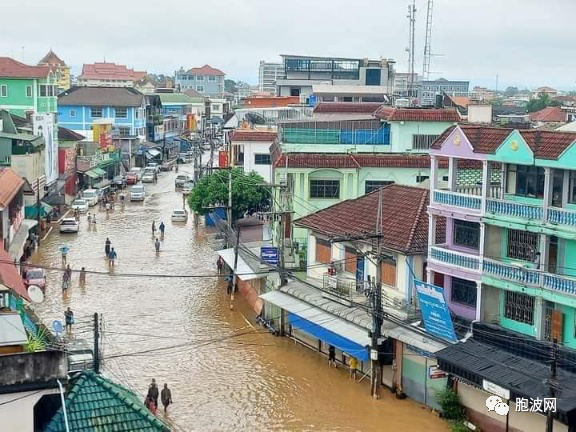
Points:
(35, 294)
(57, 326)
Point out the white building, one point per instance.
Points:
(268, 74)
(251, 151)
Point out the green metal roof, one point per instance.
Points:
(95, 403)
(178, 99)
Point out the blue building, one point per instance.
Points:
(80, 108)
(206, 80)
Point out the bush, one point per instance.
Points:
(460, 426)
(450, 404)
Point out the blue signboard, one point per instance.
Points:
(435, 312)
(269, 255)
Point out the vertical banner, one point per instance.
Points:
(43, 124)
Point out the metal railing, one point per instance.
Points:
(454, 258)
(562, 216)
(514, 273)
(514, 209)
(456, 199)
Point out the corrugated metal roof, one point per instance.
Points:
(12, 330)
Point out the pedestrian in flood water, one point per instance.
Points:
(64, 251)
(69, 318)
(112, 255)
(83, 276)
(332, 357)
(220, 265)
(162, 227)
(353, 364)
(149, 403)
(157, 245)
(153, 227)
(107, 246)
(166, 396)
(153, 392)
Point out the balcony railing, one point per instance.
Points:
(456, 199)
(559, 283)
(562, 216)
(514, 209)
(512, 273)
(493, 191)
(454, 258)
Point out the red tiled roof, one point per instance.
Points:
(549, 114)
(347, 107)
(110, 71)
(405, 221)
(418, 114)
(65, 134)
(10, 68)
(545, 89)
(251, 135)
(358, 160)
(548, 144)
(9, 275)
(205, 70)
(10, 184)
(52, 59)
(482, 138)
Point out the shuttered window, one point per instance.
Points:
(323, 251)
(351, 258)
(388, 269)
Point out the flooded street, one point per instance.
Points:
(166, 317)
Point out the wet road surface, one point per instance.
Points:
(225, 373)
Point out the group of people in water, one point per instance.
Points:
(161, 228)
(151, 400)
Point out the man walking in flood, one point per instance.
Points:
(107, 246)
(112, 255)
(166, 396)
(153, 392)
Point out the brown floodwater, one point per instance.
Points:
(226, 373)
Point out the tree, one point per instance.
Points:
(249, 192)
(230, 86)
(539, 103)
(511, 91)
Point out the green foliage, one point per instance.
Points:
(539, 103)
(247, 192)
(37, 342)
(450, 403)
(230, 86)
(459, 426)
(511, 91)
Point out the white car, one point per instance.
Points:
(137, 193)
(90, 196)
(148, 178)
(181, 179)
(69, 225)
(154, 166)
(187, 188)
(179, 215)
(80, 205)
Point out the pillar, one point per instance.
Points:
(478, 300)
(539, 318)
(431, 232)
(486, 174)
(433, 175)
(548, 180)
(452, 165)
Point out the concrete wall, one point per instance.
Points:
(19, 414)
(30, 166)
(401, 133)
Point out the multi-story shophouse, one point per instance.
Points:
(206, 80)
(60, 67)
(509, 206)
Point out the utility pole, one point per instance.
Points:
(377, 309)
(552, 385)
(96, 344)
(38, 208)
(234, 276)
(411, 46)
(229, 210)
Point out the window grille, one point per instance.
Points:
(522, 245)
(519, 307)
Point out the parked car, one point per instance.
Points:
(138, 172)
(137, 193)
(131, 178)
(179, 215)
(35, 276)
(155, 166)
(80, 205)
(69, 225)
(119, 181)
(148, 177)
(187, 187)
(91, 196)
(180, 180)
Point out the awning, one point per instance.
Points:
(102, 184)
(12, 330)
(10, 277)
(415, 339)
(154, 152)
(244, 271)
(95, 173)
(17, 245)
(31, 212)
(329, 328)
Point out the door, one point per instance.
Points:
(553, 254)
(359, 273)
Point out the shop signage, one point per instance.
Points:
(223, 159)
(269, 255)
(434, 372)
(495, 389)
(435, 312)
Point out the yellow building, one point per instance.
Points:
(60, 67)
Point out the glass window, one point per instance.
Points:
(200, 88)
(421, 178)
(215, 107)
(372, 185)
(47, 90)
(262, 159)
(121, 112)
(96, 112)
(557, 187)
(423, 142)
(72, 113)
(526, 180)
(3, 91)
(572, 187)
(324, 188)
(28, 91)
(466, 234)
(519, 307)
(464, 292)
(522, 244)
(211, 78)
(199, 78)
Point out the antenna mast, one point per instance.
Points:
(412, 19)
(427, 47)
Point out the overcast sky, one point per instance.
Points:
(527, 43)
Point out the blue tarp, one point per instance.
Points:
(343, 344)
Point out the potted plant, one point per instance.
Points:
(400, 393)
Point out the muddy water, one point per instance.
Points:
(225, 373)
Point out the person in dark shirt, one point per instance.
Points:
(166, 396)
(153, 392)
(332, 356)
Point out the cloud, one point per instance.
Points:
(522, 41)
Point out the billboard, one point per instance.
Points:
(43, 124)
(435, 312)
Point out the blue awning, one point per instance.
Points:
(342, 343)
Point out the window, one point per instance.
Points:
(212, 78)
(200, 88)
(28, 91)
(522, 244)
(72, 113)
(323, 251)
(262, 159)
(464, 292)
(572, 187)
(527, 181)
(466, 234)
(324, 188)
(295, 91)
(96, 112)
(519, 307)
(351, 258)
(47, 90)
(421, 178)
(121, 112)
(372, 185)
(124, 130)
(388, 272)
(199, 78)
(3, 91)
(216, 107)
(423, 142)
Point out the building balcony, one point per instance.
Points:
(559, 283)
(516, 272)
(343, 290)
(514, 209)
(453, 258)
(562, 216)
(457, 199)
